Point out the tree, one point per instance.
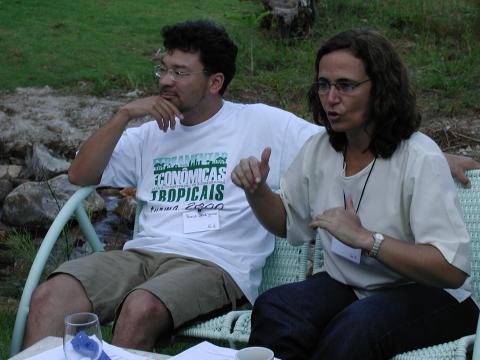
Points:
(291, 17)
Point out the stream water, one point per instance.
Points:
(111, 229)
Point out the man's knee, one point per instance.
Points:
(143, 320)
(41, 296)
(141, 305)
(61, 289)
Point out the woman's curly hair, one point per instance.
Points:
(392, 112)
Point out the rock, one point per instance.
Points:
(133, 94)
(33, 205)
(46, 90)
(58, 121)
(5, 188)
(18, 181)
(44, 165)
(9, 171)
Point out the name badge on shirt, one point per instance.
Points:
(196, 221)
(346, 251)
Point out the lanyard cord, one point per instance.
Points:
(363, 190)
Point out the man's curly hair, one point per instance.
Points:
(217, 51)
(392, 112)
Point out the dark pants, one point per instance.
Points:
(320, 318)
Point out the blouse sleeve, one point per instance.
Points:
(294, 194)
(297, 132)
(435, 214)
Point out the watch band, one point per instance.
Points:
(377, 242)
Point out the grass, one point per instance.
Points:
(106, 43)
(7, 319)
(104, 47)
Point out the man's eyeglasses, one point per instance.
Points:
(161, 71)
(343, 86)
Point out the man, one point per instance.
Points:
(199, 248)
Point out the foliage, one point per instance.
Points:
(22, 247)
(105, 47)
(7, 319)
(21, 244)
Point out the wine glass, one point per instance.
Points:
(82, 338)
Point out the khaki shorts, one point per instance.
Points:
(188, 287)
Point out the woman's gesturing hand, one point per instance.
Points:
(343, 224)
(250, 173)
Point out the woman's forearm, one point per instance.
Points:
(421, 263)
(269, 210)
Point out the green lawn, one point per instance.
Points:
(108, 43)
(7, 319)
(106, 46)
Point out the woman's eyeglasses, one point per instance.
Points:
(323, 86)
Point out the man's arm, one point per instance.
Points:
(88, 166)
(459, 164)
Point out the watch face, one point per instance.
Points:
(378, 236)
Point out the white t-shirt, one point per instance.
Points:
(410, 196)
(189, 168)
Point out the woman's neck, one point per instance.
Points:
(356, 154)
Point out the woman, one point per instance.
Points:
(380, 196)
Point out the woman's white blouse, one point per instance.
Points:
(410, 197)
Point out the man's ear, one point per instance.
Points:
(216, 82)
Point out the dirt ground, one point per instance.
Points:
(61, 121)
(455, 135)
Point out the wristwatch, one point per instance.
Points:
(377, 242)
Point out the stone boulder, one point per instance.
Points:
(42, 115)
(44, 165)
(10, 171)
(36, 204)
(5, 188)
